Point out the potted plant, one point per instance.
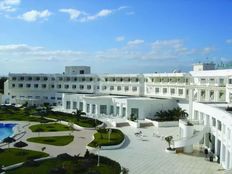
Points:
(169, 140)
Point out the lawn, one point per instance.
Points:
(20, 114)
(54, 140)
(13, 156)
(82, 121)
(78, 165)
(51, 127)
(102, 138)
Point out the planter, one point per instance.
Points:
(171, 151)
(163, 123)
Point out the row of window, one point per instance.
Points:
(59, 86)
(119, 88)
(172, 91)
(81, 79)
(38, 97)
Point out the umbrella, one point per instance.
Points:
(8, 140)
(20, 144)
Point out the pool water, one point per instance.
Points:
(6, 130)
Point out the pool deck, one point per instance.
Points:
(140, 154)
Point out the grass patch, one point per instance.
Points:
(82, 121)
(55, 140)
(51, 127)
(13, 156)
(72, 165)
(102, 138)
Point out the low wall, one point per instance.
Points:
(134, 124)
(163, 123)
(111, 147)
(20, 164)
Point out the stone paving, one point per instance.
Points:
(147, 155)
(141, 155)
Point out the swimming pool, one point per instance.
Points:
(6, 130)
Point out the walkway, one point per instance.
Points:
(147, 155)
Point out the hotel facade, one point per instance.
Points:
(204, 93)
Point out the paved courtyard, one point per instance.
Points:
(147, 155)
(141, 155)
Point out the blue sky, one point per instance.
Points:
(113, 36)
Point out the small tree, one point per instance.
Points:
(79, 114)
(169, 140)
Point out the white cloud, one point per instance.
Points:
(25, 52)
(229, 41)
(102, 13)
(34, 15)
(208, 50)
(9, 5)
(73, 13)
(120, 38)
(130, 13)
(135, 42)
(82, 16)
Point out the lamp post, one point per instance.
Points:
(109, 132)
(98, 155)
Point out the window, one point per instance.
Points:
(45, 97)
(111, 88)
(28, 85)
(93, 109)
(104, 87)
(13, 85)
(52, 86)
(13, 97)
(172, 91)
(111, 109)
(58, 86)
(59, 98)
(81, 87)
(37, 97)
(68, 104)
(119, 88)
(88, 108)
(37, 78)
(214, 122)
(14, 78)
(21, 78)
(66, 86)
(156, 90)
(36, 85)
(219, 125)
(165, 90)
(230, 81)
(134, 88)
(53, 78)
(82, 72)
(221, 81)
(89, 87)
(126, 88)
(123, 111)
(74, 86)
(81, 106)
(74, 105)
(53, 98)
(60, 78)
(29, 78)
(20, 85)
(103, 109)
(45, 78)
(44, 85)
(180, 91)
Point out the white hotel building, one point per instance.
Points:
(203, 92)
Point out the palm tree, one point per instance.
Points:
(79, 114)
